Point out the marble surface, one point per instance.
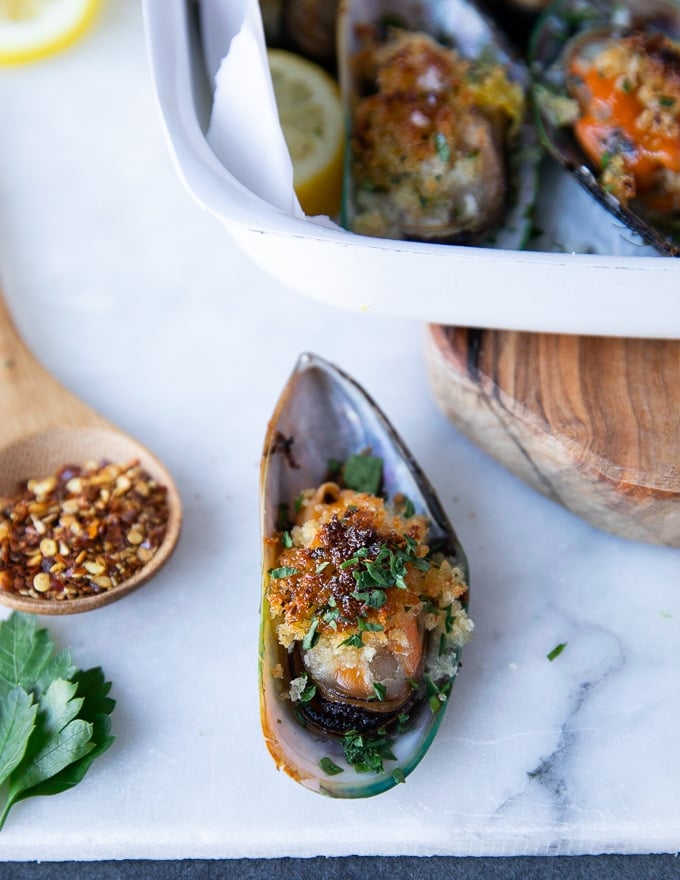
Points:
(139, 302)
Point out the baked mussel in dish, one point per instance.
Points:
(440, 148)
(607, 92)
(365, 590)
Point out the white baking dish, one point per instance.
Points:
(547, 291)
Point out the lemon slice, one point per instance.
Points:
(32, 29)
(308, 102)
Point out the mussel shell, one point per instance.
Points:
(323, 414)
(463, 25)
(564, 22)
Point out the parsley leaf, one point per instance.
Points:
(54, 718)
(330, 767)
(61, 738)
(366, 753)
(17, 719)
(380, 690)
(556, 651)
(363, 473)
(388, 569)
(311, 636)
(398, 775)
(26, 657)
(353, 641)
(436, 694)
(408, 507)
(283, 572)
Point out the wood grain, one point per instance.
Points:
(592, 422)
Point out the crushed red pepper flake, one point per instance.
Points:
(81, 531)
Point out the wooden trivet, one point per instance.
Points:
(592, 422)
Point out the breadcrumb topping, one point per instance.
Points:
(355, 584)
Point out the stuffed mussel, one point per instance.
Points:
(440, 149)
(608, 98)
(364, 592)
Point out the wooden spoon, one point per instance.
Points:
(44, 427)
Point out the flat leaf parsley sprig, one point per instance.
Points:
(54, 718)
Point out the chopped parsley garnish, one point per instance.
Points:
(331, 616)
(354, 641)
(556, 651)
(388, 569)
(283, 572)
(366, 753)
(366, 626)
(371, 598)
(436, 694)
(287, 540)
(361, 553)
(330, 767)
(380, 691)
(404, 722)
(363, 473)
(308, 693)
(398, 775)
(302, 690)
(311, 636)
(428, 605)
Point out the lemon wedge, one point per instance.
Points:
(32, 29)
(310, 112)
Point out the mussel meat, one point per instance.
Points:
(608, 97)
(440, 149)
(365, 591)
